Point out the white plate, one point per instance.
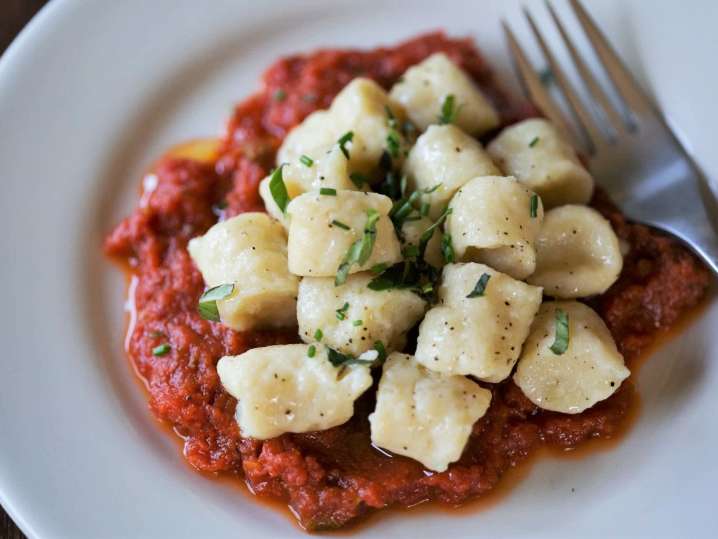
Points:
(90, 93)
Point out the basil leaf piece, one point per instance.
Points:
(340, 360)
(447, 249)
(480, 286)
(306, 160)
(429, 232)
(330, 191)
(312, 351)
(342, 312)
(448, 110)
(360, 250)
(207, 305)
(534, 142)
(343, 140)
(278, 189)
(318, 334)
(534, 206)
(161, 350)
(560, 343)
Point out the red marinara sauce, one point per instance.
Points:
(330, 478)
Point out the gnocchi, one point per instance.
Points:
(577, 253)
(424, 88)
(250, 252)
(446, 157)
(590, 370)
(282, 389)
(495, 220)
(537, 154)
(323, 228)
(479, 335)
(425, 415)
(351, 318)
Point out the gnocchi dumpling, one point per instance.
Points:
(290, 388)
(577, 253)
(445, 156)
(411, 231)
(250, 252)
(425, 415)
(328, 170)
(351, 318)
(363, 108)
(495, 220)
(424, 87)
(537, 154)
(323, 227)
(480, 323)
(589, 370)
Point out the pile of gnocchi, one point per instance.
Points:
(384, 213)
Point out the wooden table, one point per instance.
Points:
(14, 14)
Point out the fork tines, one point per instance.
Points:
(598, 122)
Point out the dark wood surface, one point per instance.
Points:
(14, 15)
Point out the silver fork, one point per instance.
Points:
(633, 154)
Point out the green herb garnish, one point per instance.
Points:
(343, 140)
(318, 334)
(342, 312)
(357, 323)
(534, 205)
(306, 160)
(393, 145)
(447, 249)
(376, 269)
(411, 251)
(161, 350)
(312, 350)
(448, 110)
(278, 189)
(329, 191)
(340, 360)
(361, 249)
(358, 178)
(429, 232)
(379, 347)
(425, 207)
(560, 343)
(340, 225)
(534, 142)
(207, 305)
(480, 286)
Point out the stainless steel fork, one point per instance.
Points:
(633, 153)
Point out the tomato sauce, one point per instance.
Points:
(331, 478)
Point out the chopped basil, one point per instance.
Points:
(340, 360)
(411, 251)
(306, 160)
(330, 191)
(533, 142)
(278, 189)
(161, 350)
(342, 312)
(447, 249)
(379, 347)
(318, 334)
(429, 232)
(358, 178)
(428, 288)
(448, 110)
(378, 268)
(534, 205)
(279, 94)
(207, 305)
(560, 343)
(312, 351)
(346, 137)
(357, 323)
(393, 145)
(480, 286)
(402, 209)
(360, 250)
(340, 225)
